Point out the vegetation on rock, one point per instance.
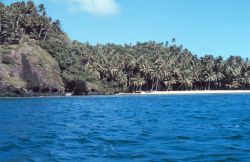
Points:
(31, 68)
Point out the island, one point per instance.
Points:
(37, 58)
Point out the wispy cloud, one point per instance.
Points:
(96, 7)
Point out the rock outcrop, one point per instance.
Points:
(28, 70)
(78, 87)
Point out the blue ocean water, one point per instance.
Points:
(126, 128)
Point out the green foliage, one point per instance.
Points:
(150, 66)
(15, 81)
(21, 19)
(110, 88)
(8, 60)
(5, 51)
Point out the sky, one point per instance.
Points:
(218, 27)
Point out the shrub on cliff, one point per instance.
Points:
(6, 59)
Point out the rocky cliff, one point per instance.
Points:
(78, 87)
(27, 70)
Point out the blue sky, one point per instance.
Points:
(218, 27)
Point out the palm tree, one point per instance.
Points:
(208, 74)
(137, 83)
(41, 9)
(122, 80)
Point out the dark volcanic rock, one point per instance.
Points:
(12, 91)
(78, 87)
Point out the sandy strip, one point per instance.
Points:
(189, 92)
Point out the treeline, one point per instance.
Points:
(116, 68)
(153, 66)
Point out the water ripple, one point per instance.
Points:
(128, 128)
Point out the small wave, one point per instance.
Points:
(201, 117)
(118, 141)
(8, 147)
(123, 156)
(235, 137)
(184, 137)
(83, 140)
(230, 159)
(216, 157)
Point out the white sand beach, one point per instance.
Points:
(188, 92)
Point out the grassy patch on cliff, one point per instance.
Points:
(16, 81)
(6, 59)
(5, 55)
(6, 49)
(11, 79)
(7, 63)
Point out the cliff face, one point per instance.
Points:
(28, 70)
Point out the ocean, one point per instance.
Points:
(126, 128)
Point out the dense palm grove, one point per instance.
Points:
(116, 68)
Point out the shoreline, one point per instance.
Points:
(145, 93)
(188, 92)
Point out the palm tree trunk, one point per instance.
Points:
(17, 22)
(40, 32)
(157, 84)
(168, 86)
(152, 88)
(0, 25)
(128, 81)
